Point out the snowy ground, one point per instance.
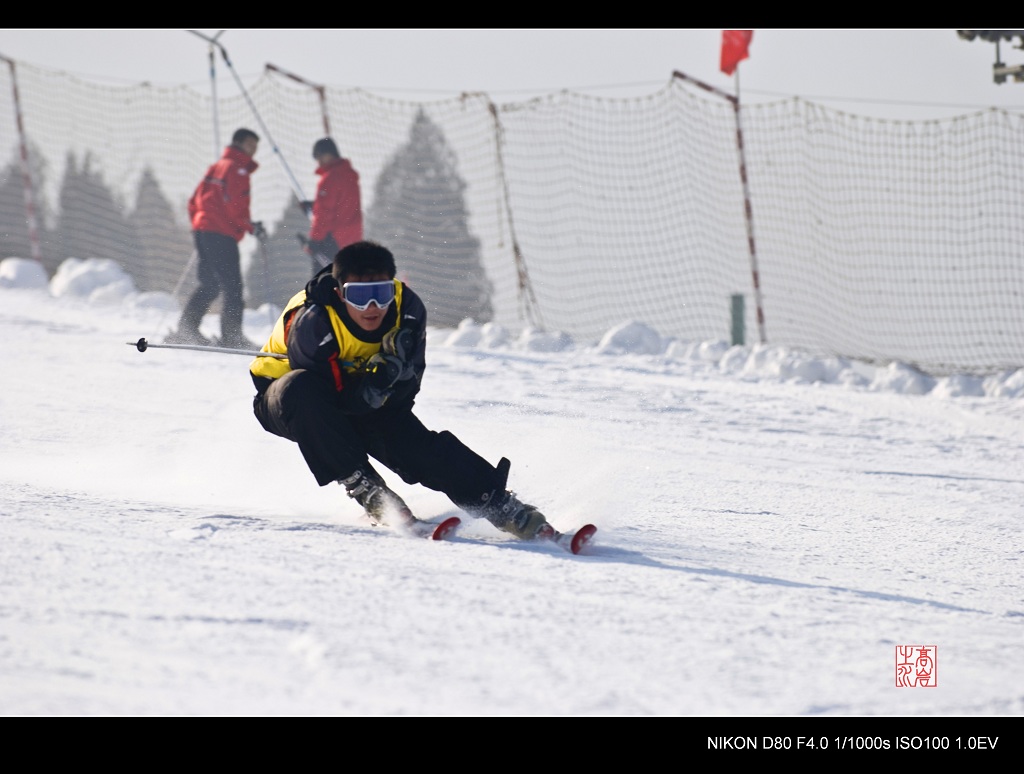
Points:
(772, 528)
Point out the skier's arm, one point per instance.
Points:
(411, 339)
(312, 346)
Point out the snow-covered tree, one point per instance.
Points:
(419, 213)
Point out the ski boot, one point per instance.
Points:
(382, 505)
(508, 513)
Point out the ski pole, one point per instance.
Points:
(142, 345)
(296, 188)
(265, 253)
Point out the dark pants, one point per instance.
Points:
(220, 272)
(302, 407)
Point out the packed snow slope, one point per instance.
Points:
(772, 528)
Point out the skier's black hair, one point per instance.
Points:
(325, 145)
(241, 135)
(362, 258)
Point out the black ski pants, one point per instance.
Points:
(220, 272)
(302, 407)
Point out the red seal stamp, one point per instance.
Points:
(917, 666)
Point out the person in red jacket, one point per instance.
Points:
(219, 212)
(337, 213)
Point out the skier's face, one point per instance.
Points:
(249, 145)
(368, 319)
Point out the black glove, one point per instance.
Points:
(307, 207)
(258, 231)
(400, 342)
(381, 373)
(385, 370)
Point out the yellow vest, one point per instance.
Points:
(353, 353)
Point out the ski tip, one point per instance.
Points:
(582, 537)
(445, 528)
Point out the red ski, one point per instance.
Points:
(445, 528)
(573, 542)
(432, 530)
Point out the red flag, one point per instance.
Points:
(735, 48)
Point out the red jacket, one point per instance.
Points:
(220, 202)
(337, 209)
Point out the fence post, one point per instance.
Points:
(747, 207)
(738, 320)
(28, 190)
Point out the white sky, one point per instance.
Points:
(908, 73)
(772, 528)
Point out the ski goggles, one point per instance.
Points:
(361, 294)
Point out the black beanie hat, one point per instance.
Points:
(326, 145)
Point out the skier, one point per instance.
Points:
(337, 214)
(356, 339)
(219, 212)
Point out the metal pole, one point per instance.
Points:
(296, 188)
(748, 209)
(527, 300)
(142, 345)
(320, 90)
(322, 93)
(184, 273)
(265, 253)
(213, 90)
(748, 212)
(213, 102)
(28, 191)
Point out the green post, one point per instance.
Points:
(737, 319)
